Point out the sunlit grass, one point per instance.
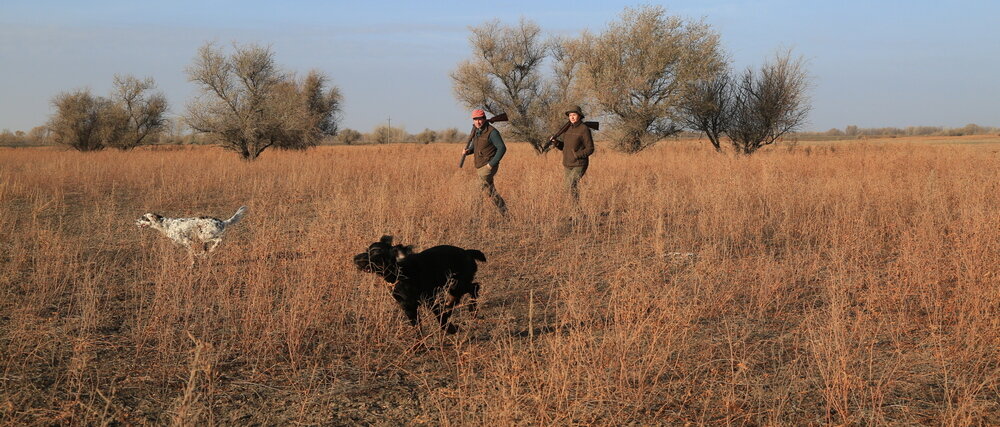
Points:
(852, 283)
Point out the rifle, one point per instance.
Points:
(502, 117)
(562, 130)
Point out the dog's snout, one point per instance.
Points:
(362, 261)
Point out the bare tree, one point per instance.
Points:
(322, 105)
(426, 137)
(451, 135)
(637, 70)
(768, 104)
(706, 107)
(81, 120)
(348, 136)
(141, 112)
(504, 75)
(248, 105)
(39, 135)
(308, 112)
(565, 90)
(11, 139)
(383, 134)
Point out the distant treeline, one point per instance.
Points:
(176, 133)
(854, 131)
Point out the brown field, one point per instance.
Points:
(847, 283)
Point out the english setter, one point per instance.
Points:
(205, 232)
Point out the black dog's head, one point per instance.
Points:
(382, 258)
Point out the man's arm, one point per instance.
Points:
(497, 142)
(588, 144)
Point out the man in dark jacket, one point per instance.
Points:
(488, 147)
(577, 145)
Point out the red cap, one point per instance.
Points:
(476, 114)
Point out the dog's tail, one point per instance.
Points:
(236, 216)
(476, 254)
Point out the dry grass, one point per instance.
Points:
(854, 283)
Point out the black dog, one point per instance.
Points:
(417, 277)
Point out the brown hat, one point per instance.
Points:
(575, 109)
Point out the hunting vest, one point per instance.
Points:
(481, 145)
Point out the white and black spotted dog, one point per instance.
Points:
(203, 233)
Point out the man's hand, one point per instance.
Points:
(466, 151)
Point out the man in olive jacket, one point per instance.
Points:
(577, 145)
(488, 147)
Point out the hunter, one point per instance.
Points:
(488, 147)
(577, 145)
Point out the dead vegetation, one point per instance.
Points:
(848, 284)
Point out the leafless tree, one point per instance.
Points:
(81, 120)
(451, 135)
(383, 134)
(505, 76)
(565, 91)
(12, 139)
(322, 105)
(426, 137)
(141, 112)
(706, 107)
(308, 112)
(39, 135)
(636, 71)
(248, 105)
(768, 104)
(348, 136)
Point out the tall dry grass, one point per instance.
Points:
(845, 284)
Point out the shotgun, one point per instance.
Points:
(562, 130)
(502, 117)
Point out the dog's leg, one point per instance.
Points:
(190, 250)
(474, 297)
(444, 313)
(214, 243)
(410, 309)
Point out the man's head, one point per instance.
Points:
(478, 118)
(575, 114)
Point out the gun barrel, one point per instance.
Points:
(561, 131)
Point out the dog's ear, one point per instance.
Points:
(386, 239)
(400, 252)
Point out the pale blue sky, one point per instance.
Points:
(873, 64)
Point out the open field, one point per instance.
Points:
(849, 283)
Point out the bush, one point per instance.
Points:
(248, 105)
(348, 137)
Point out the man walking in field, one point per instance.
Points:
(577, 145)
(488, 147)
